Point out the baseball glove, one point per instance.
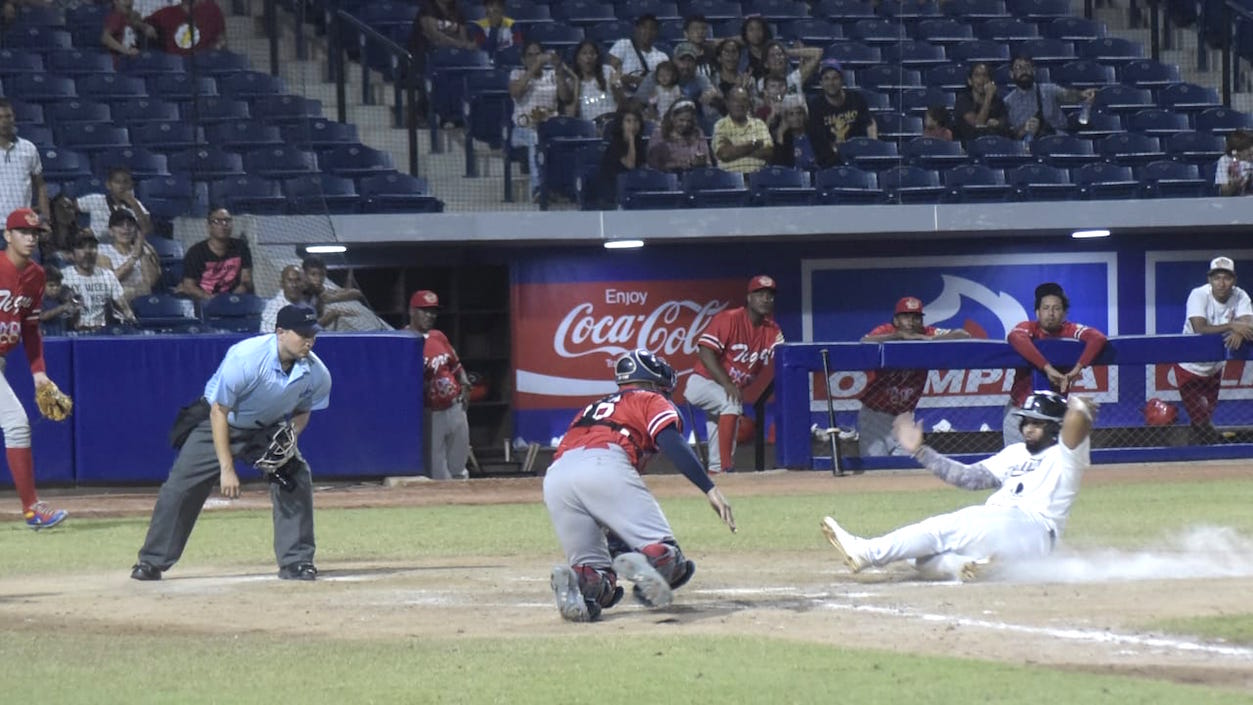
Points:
(53, 403)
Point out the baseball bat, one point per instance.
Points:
(837, 465)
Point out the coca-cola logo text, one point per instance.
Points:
(667, 329)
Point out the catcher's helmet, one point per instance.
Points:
(643, 366)
(1043, 406)
(1160, 413)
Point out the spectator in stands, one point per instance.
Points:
(535, 90)
(756, 36)
(129, 256)
(778, 65)
(742, 143)
(597, 86)
(494, 31)
(1051, 307)
(660, 90)
(189, 27)
(690, 84)
(793, 146)
(219, 264)
(1218, 306)
(57, 245)
(1233, 171)
(727, 74)
(636, 57)
(8, 14)
(625, 151)
(769, 101)
(696, 32)
(678, 144)
(322, 298)
(119, 196)
(979, 109)
(21, 171)
(439, 23)
(293, 291)
(837, 115)
(60, 306)
(891, 393)
(125, 31)
(935, 123)
(1035, 109)
(98, 288)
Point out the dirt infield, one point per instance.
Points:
(1093, 626)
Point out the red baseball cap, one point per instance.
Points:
(25, 219)
(424, 299)
(909, 304)
(761, 281)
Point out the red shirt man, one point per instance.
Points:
(446, 390)
(174, 25)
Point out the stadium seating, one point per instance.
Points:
(397, 193)
(1130, 149)
(1102, 180)
(1040, 182)
(243, 135)
(164, 313)
(999, 152)
(77, 111)
(76, 62)
(870, 155)
(249, 194)
(234, 313)
(933, 153)
(314, 194)
(141, 162)
(132, 112)
(780, 186)
(711, 187)
(847, 185)
(1169, 179)
(911, 184)
(355, 161)
(647, 189)
(152, 63)
(167, 137)
(975, 183)
(281, 162)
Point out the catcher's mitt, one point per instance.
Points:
(53, 403)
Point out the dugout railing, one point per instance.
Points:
(1129, 372)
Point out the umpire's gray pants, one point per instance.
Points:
(450, 442)
(192, 479)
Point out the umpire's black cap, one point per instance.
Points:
(300, 319)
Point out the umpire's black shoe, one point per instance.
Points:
(298, 571)
(145, 571)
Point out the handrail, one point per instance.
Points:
(1230, 10)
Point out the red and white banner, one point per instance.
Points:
(1237, 381)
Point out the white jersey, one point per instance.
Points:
(1043, 485)
(97, 290)
(1202, 304)
(625, 52)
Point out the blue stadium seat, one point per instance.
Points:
(1102, 181)
(525, 16)
(1039, 9)
(249, 194)
(319, 133)
(1123, 99)
(316, 194)
(1009, 29)
(207, 164)
(897, 126)
(87, 16)
(77, 111)
(559, 138)
(555, 35)
(1130, 149)
(281, 162)
(1222, 120)
(1111, 50)
(165, 313)
(1073, 29)
(236, 313)
(1196, 147)
(79, 62)
(40, 88)
(112, 87)
(15, 61)
(142, 163)
(83, 185)
(446, 71)
(975, 9)
(647, 189)
(27, 114)
(1158, 122)
(711, 187)
(181, 87)
(949, 77)
(876, 101)
(582, 13)
(486, 108)
(587, 183)
(243, 135)
(1147, 73)
(714, 10)
(999, 152)
(853, 55)
(355, 161)
(840, 185)
(1065, 151)
(1047, 52)
(781, 186)
(777, 10)
(933, 153)
(870, 154)
(979, 51)
(170, 197)
(814, 31)
(1170, 179)
(915, 101)
(63, 164)
(91, 136)
(914, 54)
(976, 183)
(1040, 182)
(841, 10)
(211, 109)
(397, 193)
(217, 63)
(39, 38)
(887, 77)
(911, 184)
(944, 31)
(1083, 73)
(166, 136)
(285, 108)
(152, 63)
(250, 84)
(1188, 97)
(1101, 124)
(144, 110)
(384, 15)
(877, 31)
(39, 135)
(909, 11)
(606, 33)
(662, 10)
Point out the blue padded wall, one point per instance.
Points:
(52, 442)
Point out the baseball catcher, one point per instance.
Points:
(53, 403)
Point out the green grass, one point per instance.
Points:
(1231, 628)
(545, 671)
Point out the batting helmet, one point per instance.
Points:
(643, 366)
(1043, 406)
(1160, 413)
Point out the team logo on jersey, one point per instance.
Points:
(14, 304)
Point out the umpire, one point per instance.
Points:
(263, 384)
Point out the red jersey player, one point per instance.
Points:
(1051, 306)
(607, 521)
(21, 297)
(734, 347)
(447, 390)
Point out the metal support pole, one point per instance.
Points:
(1228, 21)
(1155, 29)
(271, 29)
(411, 112)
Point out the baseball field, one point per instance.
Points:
(438, 593)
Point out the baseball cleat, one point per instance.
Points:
(40, 516)
(650, 589)
(570, 602)
(845, 543)
(973, 571)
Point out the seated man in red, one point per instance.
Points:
(189, 27)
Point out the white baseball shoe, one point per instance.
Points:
(650, 588)
(569, 598)
(848, 545)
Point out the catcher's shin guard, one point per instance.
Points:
(599, 587)
(616, 545)
(668, 560)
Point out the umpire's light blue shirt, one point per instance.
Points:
(251, 383)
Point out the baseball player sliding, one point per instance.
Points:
(594, 487)
(1036, 482)
(734, 347)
